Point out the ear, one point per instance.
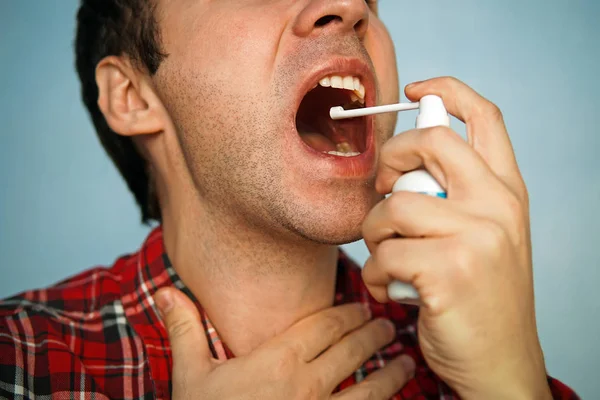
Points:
(127, 99)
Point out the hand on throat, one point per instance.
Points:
(252, 285)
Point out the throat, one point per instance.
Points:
(260, 309)
(253, 292)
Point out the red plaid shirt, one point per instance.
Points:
(98, 335)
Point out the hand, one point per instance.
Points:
(307, 361)
(468, 256)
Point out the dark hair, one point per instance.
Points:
(119, 27)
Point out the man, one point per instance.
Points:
(216, 115)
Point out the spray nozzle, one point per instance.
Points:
(432, 111)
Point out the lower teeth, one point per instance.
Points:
(341, 154)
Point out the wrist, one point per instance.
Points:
(508, 392)
(518, 380)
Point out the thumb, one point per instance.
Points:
(189, 344)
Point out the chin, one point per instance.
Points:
(336, 222)
(332, 233)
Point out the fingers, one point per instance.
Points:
(415, 261)
(411, 215)
(310, 336)
(445, 271)
(383, 383)
(189, 344)
(441, 151)
(485, 125)
(346, 356)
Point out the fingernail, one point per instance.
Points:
(408, 364)
(164, 302)
(367, 310)
(390, 325)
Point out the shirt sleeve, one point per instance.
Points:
(560, 391)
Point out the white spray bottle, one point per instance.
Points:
(431, 113)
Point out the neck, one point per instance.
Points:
(253, 285)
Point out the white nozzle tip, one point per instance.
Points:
(336, 112)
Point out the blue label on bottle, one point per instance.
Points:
(436, 194)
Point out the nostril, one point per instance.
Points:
(327, 19)
(360, 25)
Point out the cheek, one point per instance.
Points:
(381, 49)
(231, 50)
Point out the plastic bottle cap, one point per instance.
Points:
(432, 112)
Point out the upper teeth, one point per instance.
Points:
(346, 82)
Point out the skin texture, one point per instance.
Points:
(251, 222)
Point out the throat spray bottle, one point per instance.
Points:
(432, 112)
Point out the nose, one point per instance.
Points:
(344, 16)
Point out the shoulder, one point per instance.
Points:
(47, 334)
(85, 292)
(75, 302)
(84, 302)
(43, 319)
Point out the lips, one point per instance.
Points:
(347, 146)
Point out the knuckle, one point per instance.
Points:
(437, 138)
(384, 254)
(491, 238)
(489, 110)
(397, 205)
(514, 213)
(286, 363)
(486, 242)
(179, 328)
(334, 325)
(451, 81)
(514, 208)
(465, 261)
(357, 351)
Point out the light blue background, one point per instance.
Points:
(63, 207)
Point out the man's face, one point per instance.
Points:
(256, 138)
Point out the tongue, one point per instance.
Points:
(317, 141)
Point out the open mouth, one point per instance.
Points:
(342, 138)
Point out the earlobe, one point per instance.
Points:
(126, 99)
